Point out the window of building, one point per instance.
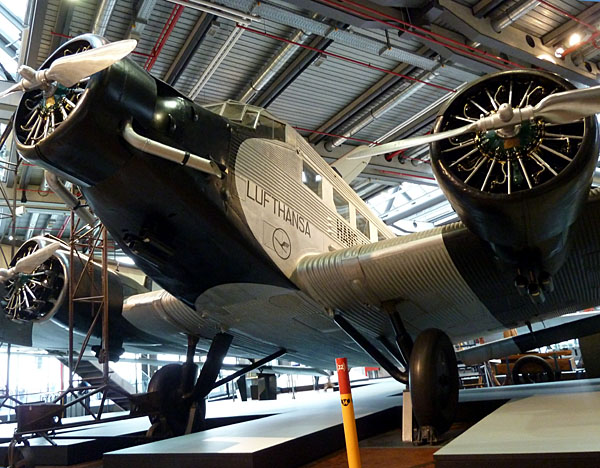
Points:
(380, 236)
(362, 223)
(312, 180)
(341, 205)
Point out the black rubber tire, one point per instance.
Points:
(545, 373)
(433, 380)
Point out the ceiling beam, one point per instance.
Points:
(11, 17)
(364, 100)
(514, 43)
(62, 24)
(32, 33)
(140, 18)
(291, 72)
(560, 34)
(354, 20)
(190, 47)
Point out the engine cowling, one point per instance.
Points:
(518, 189)
(43, 295)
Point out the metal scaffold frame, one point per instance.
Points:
(84, 243)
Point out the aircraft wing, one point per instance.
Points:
(448, 278)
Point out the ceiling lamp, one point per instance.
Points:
(574, 39)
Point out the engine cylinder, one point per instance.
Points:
(521, 188)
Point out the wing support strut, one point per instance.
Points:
(277, 354)
(371, 350)
(155, 148)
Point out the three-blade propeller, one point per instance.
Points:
(560, 108)
(71, 69)
(29, 263)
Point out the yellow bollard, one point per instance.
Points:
(348, 414)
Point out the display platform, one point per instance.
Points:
(76, 445)
(551, 425)
(297, 432)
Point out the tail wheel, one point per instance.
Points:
(434, 381)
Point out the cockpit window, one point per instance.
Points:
(270, 128)
(251, 117)
(234, 111)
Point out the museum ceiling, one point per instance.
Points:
(342, 72)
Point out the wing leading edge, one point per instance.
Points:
(448, 278)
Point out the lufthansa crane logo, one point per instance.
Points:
(282, 243)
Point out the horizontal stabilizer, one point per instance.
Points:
(523, 343)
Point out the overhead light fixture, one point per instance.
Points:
(574, 39)
(558, 53)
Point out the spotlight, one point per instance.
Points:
(574, 39)
(559, 52)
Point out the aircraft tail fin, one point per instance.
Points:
(348, 168)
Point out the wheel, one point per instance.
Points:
(174, 409)
(433, 380)
(532, 369)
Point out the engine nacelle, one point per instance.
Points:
(43, 295)
(520, 189)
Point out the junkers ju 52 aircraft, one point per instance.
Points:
(235, 214)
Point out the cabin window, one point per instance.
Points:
(341, 205)
(362, 223)
(312, 180)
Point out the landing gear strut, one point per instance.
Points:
(181, 403)
(432, 372)
(178, 400)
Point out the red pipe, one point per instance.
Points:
(164, 36)
(347, 59)
(405, 174)
(64, 226)
(568, 15)
(573, 48)
(393, 155)
(480, 54)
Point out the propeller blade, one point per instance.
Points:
(367, 152)
(13, 89)
(569, 106)
(29, 263)
(71, 69)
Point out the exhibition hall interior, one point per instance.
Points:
(299, 233)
